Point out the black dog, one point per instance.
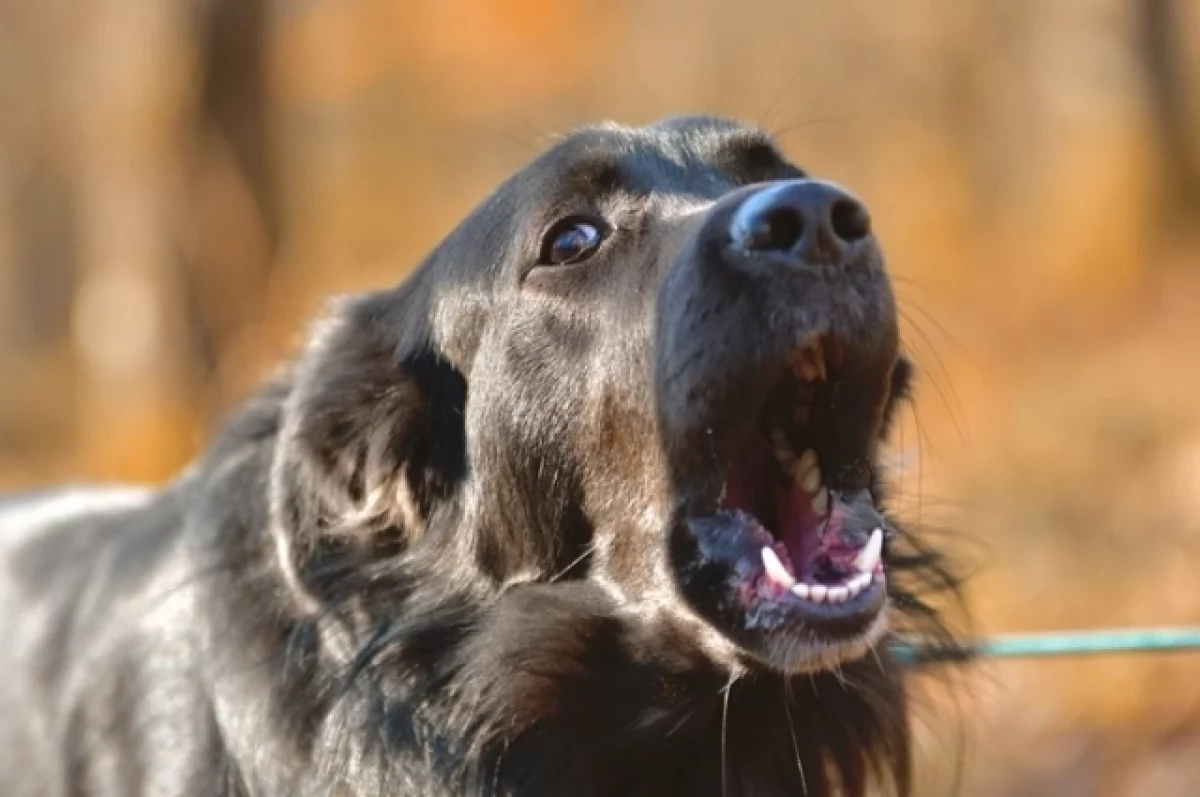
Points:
(589, 505)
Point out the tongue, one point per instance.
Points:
(797, 525)
(811, 540)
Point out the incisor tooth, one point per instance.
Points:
(859, 583)
(775, 569)
(868, 558)
(818, 592)
(800, 590)
(838, 595)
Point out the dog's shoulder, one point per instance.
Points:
(64, 554)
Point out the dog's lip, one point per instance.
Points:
(773, 599)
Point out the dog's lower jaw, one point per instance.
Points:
(793, 657)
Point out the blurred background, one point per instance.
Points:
(183, 182)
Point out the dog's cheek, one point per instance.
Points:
(899, 391)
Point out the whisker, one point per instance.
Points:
(587, 551)
(725, 736)
(786, 88)
(787, 707)
(505, 135)
(931, 318)
(806, 123)
(956, 411)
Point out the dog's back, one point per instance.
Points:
(98, 636)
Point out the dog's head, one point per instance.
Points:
(657, 360)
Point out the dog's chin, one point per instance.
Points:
(799, 654)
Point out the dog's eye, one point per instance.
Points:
(570, 241)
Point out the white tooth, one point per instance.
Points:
(859, 583)
(820, 501)
(818, 592)
(838, 594)
(800, 590)
(811, 481)
(868, 557)
(775, 569)
(808, 461)
(808, 472)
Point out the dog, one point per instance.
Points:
(590, 504)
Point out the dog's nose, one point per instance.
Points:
(814, 221)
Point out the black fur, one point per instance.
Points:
(424, 560)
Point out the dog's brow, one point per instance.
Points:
(596, 177)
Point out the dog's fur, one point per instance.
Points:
(429, 558)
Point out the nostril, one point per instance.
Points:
(850, 220)
(778, 229)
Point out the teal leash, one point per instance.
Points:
(1058, 643)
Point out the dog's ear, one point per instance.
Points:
(372, 431)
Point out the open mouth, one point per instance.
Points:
(804, 544)
(776, 478)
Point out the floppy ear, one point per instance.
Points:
(372, 430)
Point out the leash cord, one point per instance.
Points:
(1058, 643)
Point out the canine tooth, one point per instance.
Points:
(800, 590)
(868, 558)
(838, 595)
(820, 501)
(775, 569)
(818, 592)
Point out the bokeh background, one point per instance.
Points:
(182, 182)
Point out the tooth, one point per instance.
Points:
(859, 583)
(808, 472)
(800, 590)
(811, 481)
(838, 595)
(820, 501)
(775, 569)
(810, 361)
(818, 592)
(868, 558)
